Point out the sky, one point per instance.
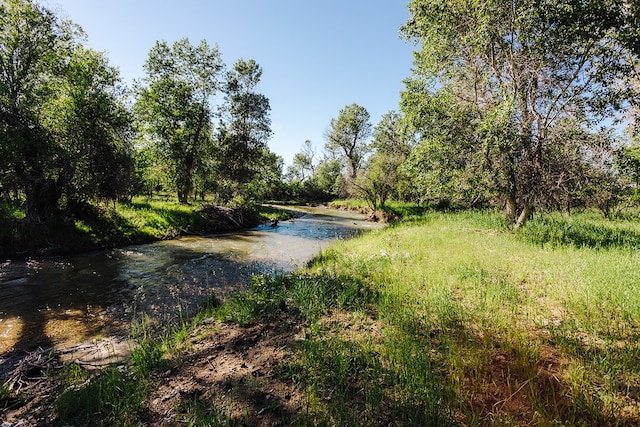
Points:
(317, 56)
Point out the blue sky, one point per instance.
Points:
(317, 56)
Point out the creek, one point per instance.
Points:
(61, 301)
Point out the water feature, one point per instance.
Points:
(58, 302)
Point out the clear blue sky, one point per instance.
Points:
(317, 56)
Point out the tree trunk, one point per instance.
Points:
(183, 198)
(524, 216)
(511, 211)
(184, 181)
(42, 200)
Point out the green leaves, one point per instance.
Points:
(520, 68)
(349, 134)
(174, 108)
(176, 111)
(64, 128)
(246, 126)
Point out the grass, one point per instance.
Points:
(584, 230)
(116, 395)
(450, 319)
(393, 210)
(271, 213)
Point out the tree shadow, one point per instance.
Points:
(556, 231)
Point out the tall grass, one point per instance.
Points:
(585, 230)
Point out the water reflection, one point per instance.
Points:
(62, 301)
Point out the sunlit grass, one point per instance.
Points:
(97, 225)
(500, 310)
(156, 218)
(451, 319)
(407, 211)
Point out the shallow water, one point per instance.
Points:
(61, 301)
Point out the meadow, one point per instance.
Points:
(448, 319)
(439, 319)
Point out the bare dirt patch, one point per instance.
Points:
(234, 369)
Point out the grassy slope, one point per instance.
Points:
(143, 220)
(451, 320)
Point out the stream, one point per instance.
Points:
(62, 301)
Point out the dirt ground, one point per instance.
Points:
(224, 366)
(234, 369)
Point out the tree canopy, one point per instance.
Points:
(493, 80)
(175, 108)
(349, 134)
(511, 103)
(245, 126)
(65, 131)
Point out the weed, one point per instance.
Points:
(198, 413)
(8, 399)
(113, 397)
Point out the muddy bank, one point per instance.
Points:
(236, 369)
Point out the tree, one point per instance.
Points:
(268, 184)
(175, 110)
(349, 134)
(516, 69)
(302, 167)
(31, 41)
(91, 126)
(445, 166)
(245, 127)
(63, 126)
(580, 168)
(328, 179)
(627, 159)
(392, 142)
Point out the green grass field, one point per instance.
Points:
(450, 319)
(107, 225)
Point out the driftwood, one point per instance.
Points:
(32, 367)
(219, 218)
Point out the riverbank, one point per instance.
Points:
(446, 319)
(143, 220)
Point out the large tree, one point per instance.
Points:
(31, 40)
(174, 109)
(511, 71)
(91, 127)
(349, 134)
(62, 122)
(245, 126)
